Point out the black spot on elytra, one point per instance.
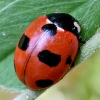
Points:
(49, 58)
(69, 60)
(24, 42)
(50, 28)
(44, 83)
(14, 66)
(64, 21)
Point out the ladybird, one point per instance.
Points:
(47, 50)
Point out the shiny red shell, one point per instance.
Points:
(30, 68)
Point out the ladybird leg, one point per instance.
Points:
(80, 40)
(72, 66)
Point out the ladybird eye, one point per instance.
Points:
(77, 26)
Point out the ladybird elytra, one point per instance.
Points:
(46, 50)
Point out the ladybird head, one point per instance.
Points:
(65, 21)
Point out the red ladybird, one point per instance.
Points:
(46, 50)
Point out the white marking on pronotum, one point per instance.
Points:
(78, 27)
(48, 21)
(58, 28)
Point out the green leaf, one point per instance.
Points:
(8, 78)
(16, 15)
(28, 95)
(90, 47)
